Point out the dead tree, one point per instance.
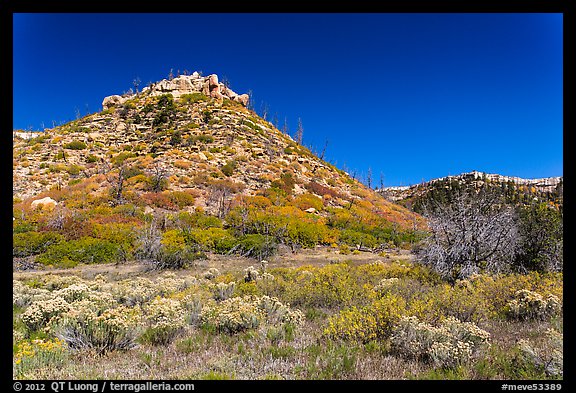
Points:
(474, 231)
(159, 177)
(299, 132)
(117, 183)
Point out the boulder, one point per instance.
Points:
(242, 98)
(310, 210)
(45, 203)
(111, 101)
(213, 80)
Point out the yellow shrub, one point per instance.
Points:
(367, 323)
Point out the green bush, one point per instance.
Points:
(198, 220)
(181, 198)
(193, 98)
(211, 239)
(91, 158)
(257, 246)
(32, 243)
(164, 319)
(84, 250)
(75, 145)
(228, 168)
(203, 138)
(119, 158)
(355, 238)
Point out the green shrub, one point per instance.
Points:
(306, 234)
(203, 138)
(181, 198)
(75, 145)
(91, 158)
(31, 243)
(228, 168)
(257, 246)
(84, 250)
(355, 238)
(198, 220)
(211, 239)
(193, 98)
(119, 158)
(73, 169)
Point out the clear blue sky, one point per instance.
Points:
(411, 96)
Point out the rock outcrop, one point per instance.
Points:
(181, 85)
(45, 203)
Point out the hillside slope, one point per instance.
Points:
(190, 145)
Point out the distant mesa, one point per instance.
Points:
(181, 85)
(397, 193)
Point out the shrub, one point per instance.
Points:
(355, 238)
(549, 357)
(75, 145)
(73, 169)
(87, 325)
(119, 158)
(31, 243)
(193, 98)
(84, 250)
(41, 312)
(528, 305)
(181, 198)
(198, 220)
(306, 201)
(367, 323)
(278, 313)
(239, 314)
(36, 354)
(251, 274)
(211, 273)
(228, 168)
(133, 292)
(448, 345)
(211, 239)
(257, 246)
(232, 316)
(308, 234)
(222, 291)
(164, 319)
(203, 138)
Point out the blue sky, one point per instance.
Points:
(410, 96)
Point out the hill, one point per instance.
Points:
(516, 190)
(187, 152)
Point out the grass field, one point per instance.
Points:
(311, 315)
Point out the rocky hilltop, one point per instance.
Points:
(181, 85)
(189, 134)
